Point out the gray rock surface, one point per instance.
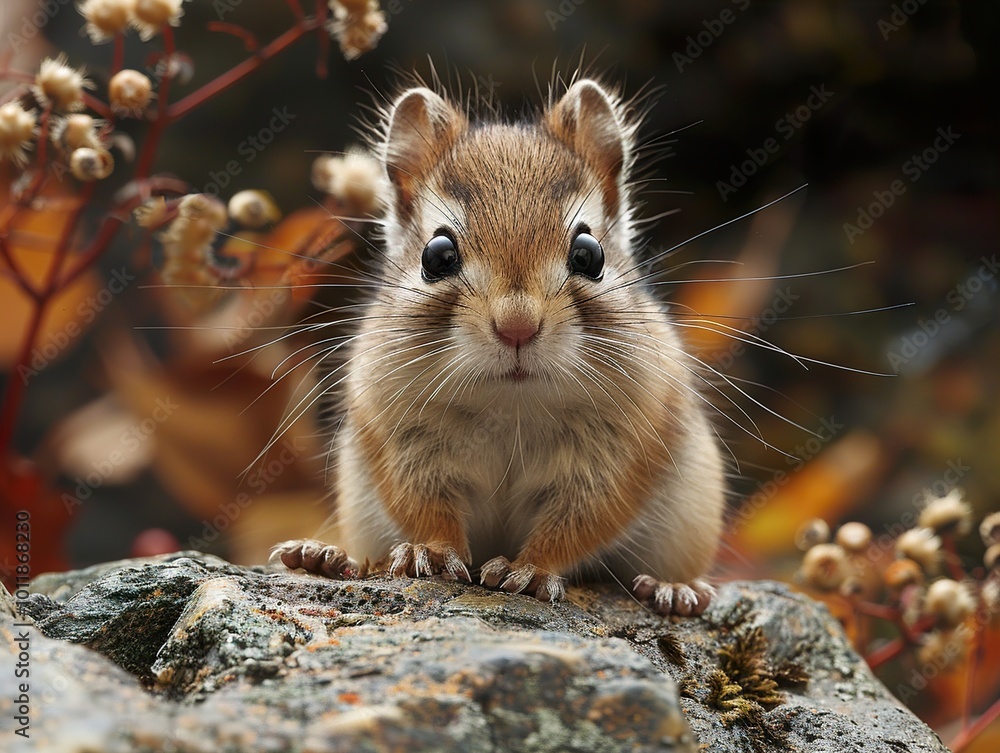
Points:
(189, 653)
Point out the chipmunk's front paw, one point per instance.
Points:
(416, 560)
(316, 557)
(683, 599)
(522, 577)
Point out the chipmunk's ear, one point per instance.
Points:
(587, 119)
(422, 126)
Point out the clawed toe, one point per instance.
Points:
(524, 578)
(682, 599)
(315, 557)
(419, 560)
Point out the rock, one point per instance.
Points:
(186, 652)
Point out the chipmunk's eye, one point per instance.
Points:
(586, 257)
(440, 258)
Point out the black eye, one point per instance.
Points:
(586, 257)
(440, 258)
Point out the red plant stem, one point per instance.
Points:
(249, 39)
(952, 559)
(163, 117)
(324, 39)
(974, 660)
(8, 74)
(166, 114)
(909, 635)
(971, 732)
(198, 97)
(885, 653)
(871, 609)
(43, 141)
(105, 235)
(30, 193)
(101, 108)
(118, 60)
(296, 9)
(17, 274)
(864, 631)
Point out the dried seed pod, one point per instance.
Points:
(253, 209)
(130, 93)
(152, 213)
(187, 249)
(948, 602)
(106, 18)
(989, 529)
(357, 26)
(152, 15)
(17, 131)
(854, 537)
(59, 85)
(354, 179)
(826, 567)
(811, 533)
(851, 587)
(943, 648)
(991, 559)
(921, 546)
(76, 131)
(990, 593)
(199, 217)
(902, 573)
(947, 514)
(89, 164)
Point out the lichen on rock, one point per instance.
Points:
(189, 653)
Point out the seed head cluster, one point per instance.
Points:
(354, 180)
(18, 128)
(939, 609)
(357, 25)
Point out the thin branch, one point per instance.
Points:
(975, 729)
(249, 38)
(222, 82)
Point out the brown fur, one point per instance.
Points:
(602, 455)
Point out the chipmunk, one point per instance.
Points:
(516, 400)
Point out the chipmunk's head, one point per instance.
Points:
(511, 244)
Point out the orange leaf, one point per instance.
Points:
(33, 237)
(826, 487)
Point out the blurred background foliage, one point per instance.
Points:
(834, 94)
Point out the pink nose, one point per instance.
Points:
(516, 333)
